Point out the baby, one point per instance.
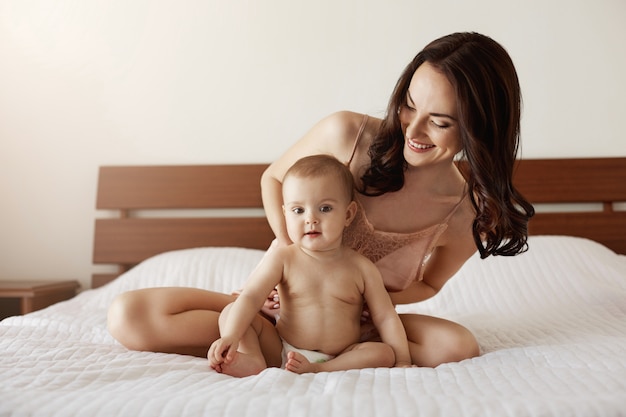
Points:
(322, 287)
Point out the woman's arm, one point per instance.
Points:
(271, 191)
(443, 264)
(333, 135)
(417, 291)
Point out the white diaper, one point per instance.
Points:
(311, 355)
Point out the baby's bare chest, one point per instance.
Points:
(341, 284)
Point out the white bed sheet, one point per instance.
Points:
(551, 325)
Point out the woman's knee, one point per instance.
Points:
(126, 320)
(435, 341)
(463, 345)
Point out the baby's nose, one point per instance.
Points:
(311, 220)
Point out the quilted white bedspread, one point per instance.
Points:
(551, 324)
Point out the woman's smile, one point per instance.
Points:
(418, 146)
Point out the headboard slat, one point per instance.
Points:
(572, 180)
(130, 241)
(598, 226)
(179, 186)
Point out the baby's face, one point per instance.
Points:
(316, 211)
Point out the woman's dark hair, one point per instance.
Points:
(489, 108)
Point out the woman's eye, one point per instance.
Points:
(408, 106)
(440, 125)
(326, 209)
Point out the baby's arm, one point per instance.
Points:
(243, 310)
(385, 317)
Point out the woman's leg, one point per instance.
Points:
(433, 341)
(171, 320)
(177, 320)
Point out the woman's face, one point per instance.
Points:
(429, 119)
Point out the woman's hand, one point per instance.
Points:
(271, 307)
(365, 314)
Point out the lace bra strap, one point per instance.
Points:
(358, 138)
(454, 209)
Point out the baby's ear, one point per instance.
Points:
(350, 212)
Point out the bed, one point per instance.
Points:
(551, 323)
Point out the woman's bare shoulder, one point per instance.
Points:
(341, 127)
(333, 135)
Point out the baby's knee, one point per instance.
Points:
(224, 314)
(385, 355)
(389, 357)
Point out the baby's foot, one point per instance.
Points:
(242, 365)
(296, 362)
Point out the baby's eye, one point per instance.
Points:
(326, 209)
(297, 210)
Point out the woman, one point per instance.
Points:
(419, 219)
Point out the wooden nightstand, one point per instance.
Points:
(21, 297)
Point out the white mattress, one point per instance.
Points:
(551, 324)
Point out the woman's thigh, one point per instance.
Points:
(170, 319)
(433, 341)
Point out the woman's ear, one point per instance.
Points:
(350, 213)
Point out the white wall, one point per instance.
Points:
(88, 83)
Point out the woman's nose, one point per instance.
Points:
(414, 128)
(411, 122)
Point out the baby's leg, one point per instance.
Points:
(249, 359)
(359, 356)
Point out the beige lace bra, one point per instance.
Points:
(400, 257)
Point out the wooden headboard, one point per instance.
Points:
(232, 195)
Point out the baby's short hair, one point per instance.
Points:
(322, 165)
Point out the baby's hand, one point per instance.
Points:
(221, 351)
